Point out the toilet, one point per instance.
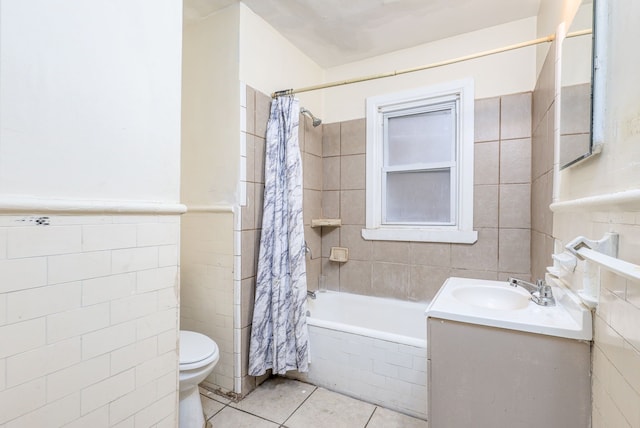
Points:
(198, 356)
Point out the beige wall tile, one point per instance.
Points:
(312, 137)
(539, 146)
(352, 172)
(312, 205)
(355, 277)
(515, 116)
(248, 240)
(331, 139)
(251, 109)
(483, 255)
(486, 164)
(430, 254)
(259, 147)
(249, 211)
(352, 206)
(514, 250)
(515, 161)
(352, 137)
(515, 206)
(487, 119)
(390, 280)
(251, 157)
(330, 238)
(425, 281)
(331, 272)
(351, 237)
(474, 274)
(330, 204)
(301, 133)
(331, 174)
(313, 237)
(248, 289)
(485, 206)
(258, 205)
(312, 171)
(314, 269)
(263, 109)
(391, 251)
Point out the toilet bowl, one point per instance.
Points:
(198, 356)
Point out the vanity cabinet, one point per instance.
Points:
(488, 377)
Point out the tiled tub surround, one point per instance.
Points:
(369, 348)
(88, 320)
(415, 270)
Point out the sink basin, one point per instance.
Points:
(492, 297)
(497, 304)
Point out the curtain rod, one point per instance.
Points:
(546, 39)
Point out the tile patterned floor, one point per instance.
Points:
(288, 403)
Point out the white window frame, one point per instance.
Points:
(460, 230)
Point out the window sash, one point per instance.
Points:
(448, 104)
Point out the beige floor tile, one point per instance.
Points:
(276, 399)
(329, 409)
(385, 418)
(233, 418)
(210, 407)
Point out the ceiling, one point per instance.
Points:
(335, 32)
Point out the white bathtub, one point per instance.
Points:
(370, 348)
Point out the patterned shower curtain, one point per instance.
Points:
(279, 338)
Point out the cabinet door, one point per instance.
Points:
(489, 377)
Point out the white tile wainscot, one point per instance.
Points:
(387, 373)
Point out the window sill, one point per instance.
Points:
(421, 235)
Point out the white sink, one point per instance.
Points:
(497, 304)
(492, 297)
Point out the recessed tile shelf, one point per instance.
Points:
(326, 222)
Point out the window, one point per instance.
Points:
(420, 165)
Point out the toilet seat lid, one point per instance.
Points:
(195, 347)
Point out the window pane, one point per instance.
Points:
(420, 197)
(420, 138)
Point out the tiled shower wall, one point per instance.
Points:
(543, 121)
(416, 270)
(89, 320)
(310, 139)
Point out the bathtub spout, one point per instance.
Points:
(311, 294)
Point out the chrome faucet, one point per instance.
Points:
(311, 294)
(307, 250)
(541, 293)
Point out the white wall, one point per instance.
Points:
(495, 75)
(269, 62)
(86, 86)
(210, 110)
(550, 15)
(89, 125)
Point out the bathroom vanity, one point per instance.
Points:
(494, 361)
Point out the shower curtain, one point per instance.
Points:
(279, 337)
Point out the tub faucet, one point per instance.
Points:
(541, 293)
(311, 294)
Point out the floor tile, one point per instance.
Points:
(233, 418)
(276, 399)
(210, 407)
(214, 396)
(328, 409)
(385, 418)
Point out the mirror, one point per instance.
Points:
(576, 90)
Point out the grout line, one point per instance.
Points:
(371, 417)
(315, 388)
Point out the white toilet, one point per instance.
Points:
(198, 356)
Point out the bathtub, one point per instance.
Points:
(370, 348)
